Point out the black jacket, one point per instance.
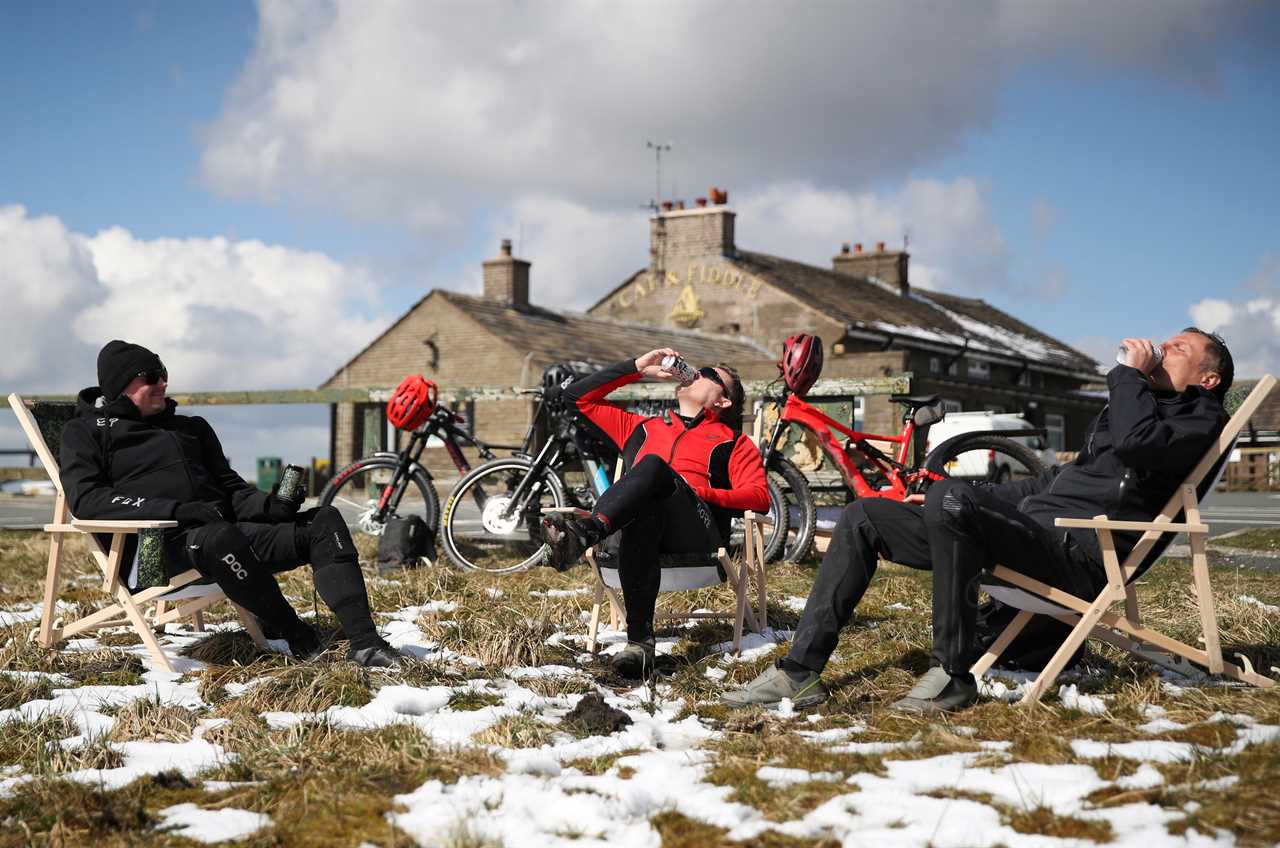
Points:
(1139, 449)
(115, 464)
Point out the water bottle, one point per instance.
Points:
(1123, 353)
(290, 488)
(683, 371)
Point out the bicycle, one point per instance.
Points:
(375, 488)
(868, 472)
(502, 533)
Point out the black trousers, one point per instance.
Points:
(960, 530)
(654, 512)
(243, 557)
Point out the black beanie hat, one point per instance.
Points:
(119, 362)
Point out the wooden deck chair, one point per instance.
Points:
(1126, 629)
(684, 572)
(184, 593)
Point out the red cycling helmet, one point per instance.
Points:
(412, 402)
(801, 362)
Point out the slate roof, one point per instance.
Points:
(554, 336)
(924, 315)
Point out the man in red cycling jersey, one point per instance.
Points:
(686, 473)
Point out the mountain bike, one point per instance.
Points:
(492, 518)
(869, 472)
(375, 488)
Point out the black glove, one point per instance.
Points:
(279, 509)
(198, 512)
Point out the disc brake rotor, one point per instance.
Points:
(492, 519)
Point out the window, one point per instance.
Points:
(1055, 427)
(1024, 379)
(953, 369)
(978, 369)
(935, 365)
(858, 417)
(952, 406)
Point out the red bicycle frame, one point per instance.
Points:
(856, 458)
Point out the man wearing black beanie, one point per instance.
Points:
(127, 455)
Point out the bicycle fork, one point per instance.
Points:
(530, 487)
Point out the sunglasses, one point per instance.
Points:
(153, 375)
(713, 375)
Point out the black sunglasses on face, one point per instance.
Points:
(153, 375)
(713, 375)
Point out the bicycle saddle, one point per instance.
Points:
(915, 402)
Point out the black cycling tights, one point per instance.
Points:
(244, 557)
(657, 513)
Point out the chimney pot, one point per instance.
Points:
(844, 248)
(505, 249)
(857, 247)
(667, 205)
(679, 204)
(879, 247)
(506, 279)
(701, 202)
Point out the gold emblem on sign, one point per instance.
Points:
(686, 312)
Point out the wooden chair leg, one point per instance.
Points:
(762, 597)
(251, 626)
(1002, 641)
(1204, 597)
(594, 627)
(52, 580)
(199, 617)
(1109, 595)
(144, 632)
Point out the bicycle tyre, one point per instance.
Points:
(802, 513)
(348, 478)
(772, 532)
(454, 541)
(949, 450)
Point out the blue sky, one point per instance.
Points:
(1096, 181)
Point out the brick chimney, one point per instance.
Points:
(678, 236)
(888, 266)
(506, 279)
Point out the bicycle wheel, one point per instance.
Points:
(980, 458)
(774, 532)
(356, 490)
(483, 531)
(802, 512)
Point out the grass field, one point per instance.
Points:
(471, 747)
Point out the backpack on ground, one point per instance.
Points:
(1032, 648)
(406, 542)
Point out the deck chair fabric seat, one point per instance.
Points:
(1093, 618)
(189, 592)
(680, 572)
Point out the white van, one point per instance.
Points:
(983, 464)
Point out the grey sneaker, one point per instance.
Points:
(772, 685)
(938, 692)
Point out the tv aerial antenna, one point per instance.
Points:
(658, 150)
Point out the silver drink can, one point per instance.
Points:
(1122, 354)
(683, 371)
(150, 560)
(291, 483)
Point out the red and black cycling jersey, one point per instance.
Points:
(722, 467)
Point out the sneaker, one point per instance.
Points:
(634, 662)
(938, 692)
(378, 656)
(567, 535)
(772, 685)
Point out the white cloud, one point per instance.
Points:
(1250, 328)
(421, 113)
(1043, 217)
(223, 315)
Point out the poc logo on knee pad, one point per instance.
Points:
(235, 566)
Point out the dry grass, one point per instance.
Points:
(329, 786)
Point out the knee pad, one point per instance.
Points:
(328, 537)
(223, 547)
(950, 502)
